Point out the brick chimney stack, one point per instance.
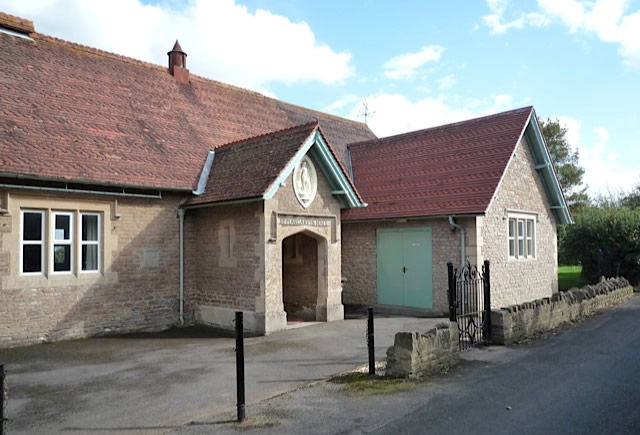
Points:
(178, 64)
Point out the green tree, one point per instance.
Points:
(605, 241)
(570, 173)
(632, 199)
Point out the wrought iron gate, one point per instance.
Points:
(470, 303)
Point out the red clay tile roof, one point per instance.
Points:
(70, 112)
(247, 169)
(448, 170)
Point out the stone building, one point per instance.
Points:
(137, 197)
(465, 192)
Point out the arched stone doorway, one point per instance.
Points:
(300, 277)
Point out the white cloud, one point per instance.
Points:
(572, 126)
(447, 82)
(498, 24)
(341, 102)
(406, 65)
(223, 40)
(395, 113)
(605, 18)
(603, 171)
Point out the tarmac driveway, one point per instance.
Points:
(152, 383)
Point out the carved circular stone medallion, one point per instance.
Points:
(305, 182)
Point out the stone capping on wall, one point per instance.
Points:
(415, 354)
(516, 323)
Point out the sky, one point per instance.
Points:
(415, 64)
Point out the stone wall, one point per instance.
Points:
(414, 354)
(519, 322)
(513, 280)
(136, 288)
(359, 258)
(223, 255)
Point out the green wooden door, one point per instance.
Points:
(390, 263)
(404, 267)
(418, 283)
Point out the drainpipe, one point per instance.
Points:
(181, 217)
(463, 256)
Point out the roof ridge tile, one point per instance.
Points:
(270, 133)
(408, 134)
(14, 22)
(130, 60)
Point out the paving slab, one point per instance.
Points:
(154, 383)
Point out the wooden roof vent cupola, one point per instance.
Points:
(178, 64)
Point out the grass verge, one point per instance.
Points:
(361, 384)
(569, 277)
(254, 422)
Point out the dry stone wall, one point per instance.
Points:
(518, 322)
(415, 354)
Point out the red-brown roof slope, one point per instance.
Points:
(448, 170)
(247, 169)
(71, 112)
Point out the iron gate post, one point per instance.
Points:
(451, 292)
(487, 300)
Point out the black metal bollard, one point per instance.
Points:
(487, 300)
(370, 344)
(3, 384)
(240, 365)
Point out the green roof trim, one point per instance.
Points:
(318, 148)
(546, 169)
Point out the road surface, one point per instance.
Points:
(584, 379)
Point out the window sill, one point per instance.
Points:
(58, 279)
(521, 259)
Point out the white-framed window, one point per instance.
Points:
(89, 242)
(521, 236)
(69, 243)
(62, 242)
(31, 242)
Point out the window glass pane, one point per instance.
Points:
(61, 258)
(529, 247)
(529, 228)
(512, 248)
(89, 257)
(90, 228)
(520, 228)
(31, 258)
(512, 227)
(520, 247)
(63, 223)
(32, 226)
